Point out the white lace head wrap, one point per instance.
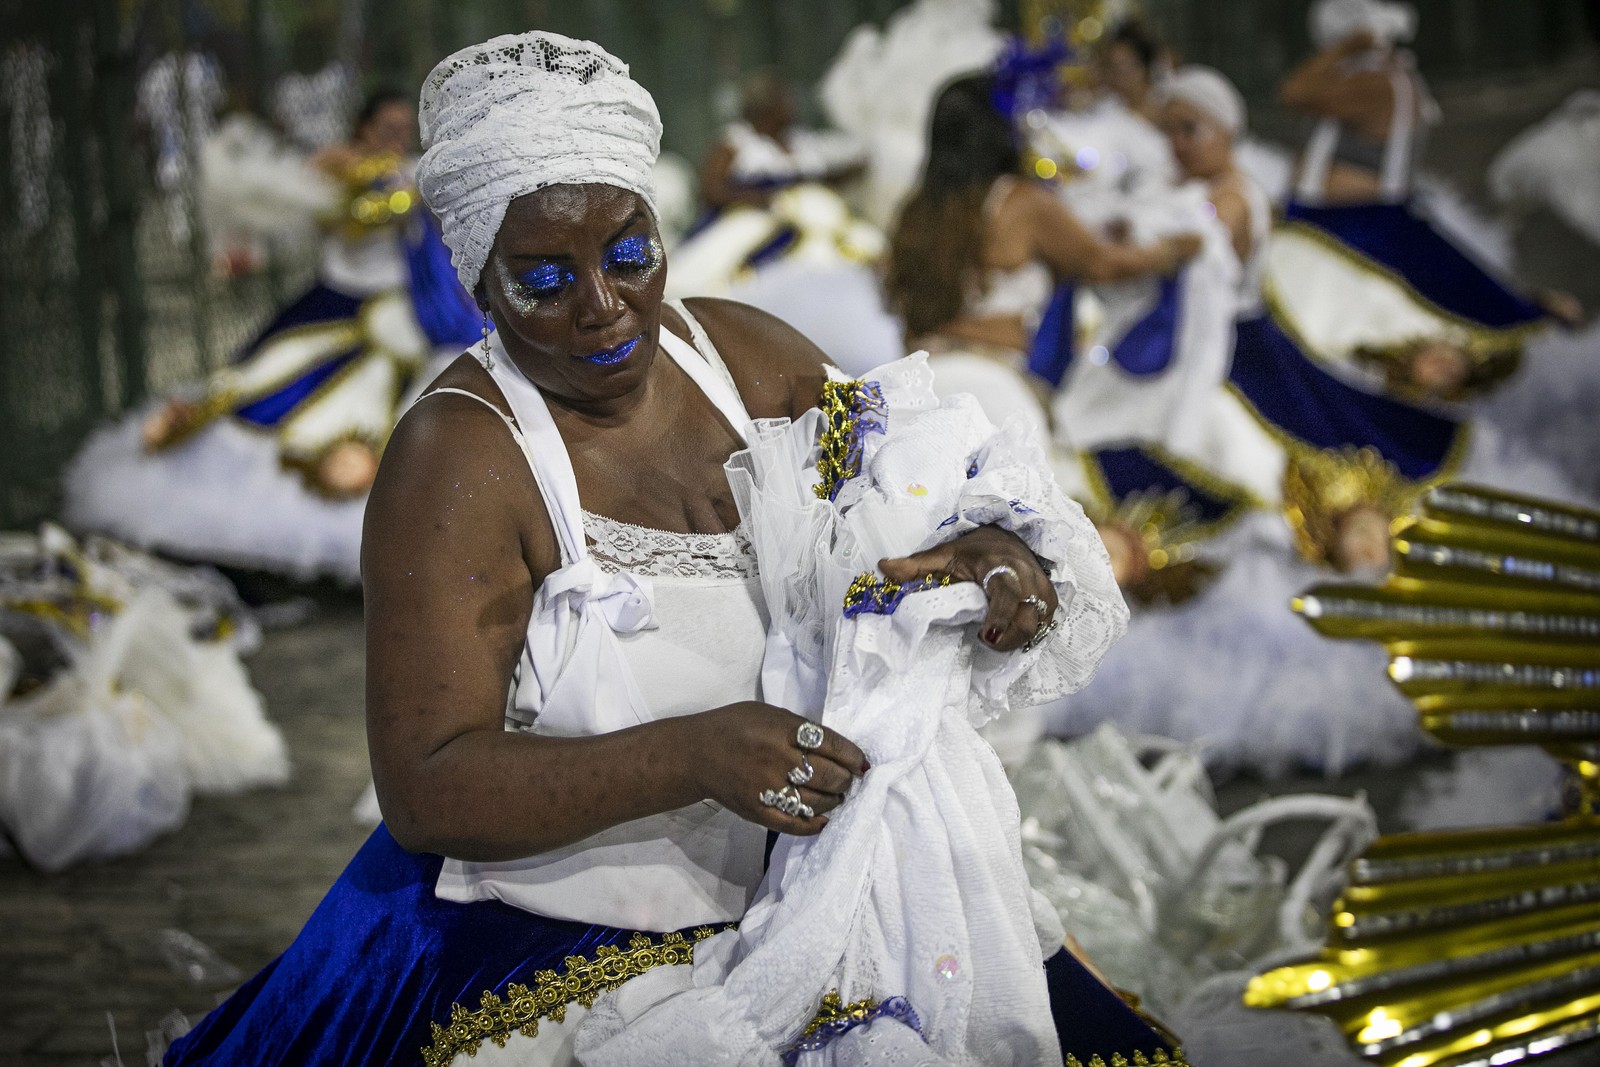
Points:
(1209, 91)
(521, 112)
(1333, 21)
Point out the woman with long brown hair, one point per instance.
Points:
(978, 251)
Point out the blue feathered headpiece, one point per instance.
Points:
(1025, 78)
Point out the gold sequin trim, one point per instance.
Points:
(580, 982)
(1159, 1059)
(869, 594)
(833, 1009)
(850, 410)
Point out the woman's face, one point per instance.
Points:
(1362, 541)
(1201, 147)
(392, 129)
(574, 283)
(1439, 369)
(1122, 73)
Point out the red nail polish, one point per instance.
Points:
(866, 765)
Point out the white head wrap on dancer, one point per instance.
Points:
(1333, 21)
(521, 112)
(1210, 92)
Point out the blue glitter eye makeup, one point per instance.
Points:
(631, 253)
(547, 279)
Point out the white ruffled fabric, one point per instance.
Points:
(916, 888)
(520, 112)
(104, 756)
(1101, 404)
(224, 496)
(1552, 163)
(882, 85)
(1235, 672)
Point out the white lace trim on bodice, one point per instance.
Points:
(643, 550)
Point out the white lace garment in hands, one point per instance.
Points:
(914, 898)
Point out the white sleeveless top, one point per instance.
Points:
(637, 624)
(1254, 267)
(1413, 105)
(1022, 290)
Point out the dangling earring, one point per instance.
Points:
(485, 356)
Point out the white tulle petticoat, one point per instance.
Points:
(104, 754)
(916, 889)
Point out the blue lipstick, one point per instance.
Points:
(614, 355)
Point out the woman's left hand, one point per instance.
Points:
(1022, 601)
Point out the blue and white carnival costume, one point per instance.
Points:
(417, 958)
(803, 256)
(1414, 282)
(237, 481)
(421, 958)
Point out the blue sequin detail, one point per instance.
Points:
(879, 596)
(896, 1008)
(547, 279)
(852, 410)
(631, 252)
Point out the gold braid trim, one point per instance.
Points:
(833, 1009)
(1481, 338)
(848, 410)
(580, 982)
(1159, 1059)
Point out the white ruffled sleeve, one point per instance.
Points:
(1010, 485)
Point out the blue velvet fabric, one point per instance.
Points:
(1147, 348)
(1050, 356)
(774, 249)
(1308, 404)
(1400, 239)
(275, 407)
(1091, 1020)
(382, 958)
(1134, 469)
(317, 306)
(445, 311)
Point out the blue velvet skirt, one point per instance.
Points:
(1395, 239)
(1298, 400)
(385, 972)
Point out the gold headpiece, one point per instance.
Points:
(1320, 487)
(1487, 365)
(1167, 529)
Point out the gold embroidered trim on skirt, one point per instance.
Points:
(1158, 1059)
(580, 982)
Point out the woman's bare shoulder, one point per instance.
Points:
(778, 370)
(452, 474)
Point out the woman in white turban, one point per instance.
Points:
(566, 632)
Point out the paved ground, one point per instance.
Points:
(243, 873)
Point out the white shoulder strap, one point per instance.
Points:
(546, 452)
(1316, 160)
(1395, 181)
(546, 474)
(705, 367)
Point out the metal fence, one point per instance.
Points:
(111, 289)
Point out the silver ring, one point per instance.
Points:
(802, 774)
(1039, 606)
(1004, 568)
(787, 800)
(808, 736)
(1040, 634)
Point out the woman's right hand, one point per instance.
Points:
(738, 751)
